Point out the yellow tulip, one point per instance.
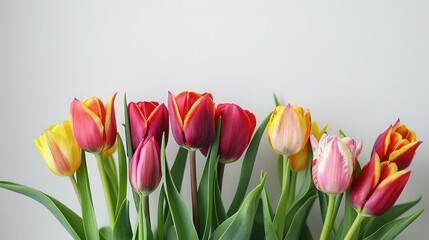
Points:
(316, 132)
(59, 149)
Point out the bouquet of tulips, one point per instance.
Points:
(314, 166)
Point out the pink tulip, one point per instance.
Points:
(145, 167)
(93, 124)
(147, 119)
(192, 118)
(334, 161)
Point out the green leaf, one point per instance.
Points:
(247, 167)
(258, 231)
(106, 233)
(112, 176)
(305, 233)
(394, 228)
(178, 168)
(88, 214)
(299, 219)
(276, 100)
(239, 225)
(218, 207)
(69, 219)
(390, 215)
(122, 228)
(123, 176)
(206, 187)
(183, 223)
(293, 211)
(270, 232)
(160, 214)
(307, 183)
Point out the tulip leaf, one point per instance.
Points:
(348, 218)
(276, 100)
(219, 209)
(182, 220)
(160, 214)
(270, 232)
(295, 210)
(299, 218)
(122, 228)
(390, 215)
(307, 184)
(69, 219)
(88, 214)
(239, 225)
(206, 187)
(123, 177)
(258, 231)
(394, 228)
(178, 168)
(106, 233)
(305, 233)
(247, 167)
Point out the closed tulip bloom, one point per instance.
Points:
(236, 131)
(288, 129)
(93, 124)
(145, 167)
(316, 132)
(334, 161)
(147, 119)
(59, 149)
(377, 187)
(299, 161)
(397, 144)
(192, 119)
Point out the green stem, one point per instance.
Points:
(336, 208)
(146, 209)
(76, 188)
(355, 226)
(279, 219)
(105, 184)
(327, 225)
(292, 188)
(220, 171)
(141, 218)
(194, 195)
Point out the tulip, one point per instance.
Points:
(59, 149)
(93, 124)
(377, 187)
(288, 129)
(145, 167)
(397, 144)
(316, 132)
(147, 119)
(192, 118)
(334, 162)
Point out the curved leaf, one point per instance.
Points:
(299, 219)
(122, 228)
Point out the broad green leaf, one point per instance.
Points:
(123, 176)
(305, 233)
(390, 215)
(69, 219)
(122, 228)
(218, 207)
(178, 168)
(183, 223)
(258, 231)
(348, 218)
(394, 228)
(206, 187)
(307, 183)
(106, 233)
(293, 211)
(270, 232)
(299, 219)
(239, 225)
(112, 175)
(323, 203)
(160, 214)
(247, 167)
(88, 214)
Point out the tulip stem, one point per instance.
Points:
(327, 225)
(355, 226)
(220, 171)
(76, 187)
(105, 184)
(194, 195)
(292, 187)
(282, 207)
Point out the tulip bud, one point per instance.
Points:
(93, 124)
(299, 161)
(147, 119)
(288, 129)
(145, 167)
(192, 118)
(59, 149)
(316, 132)
(334, 161)
(397, 144)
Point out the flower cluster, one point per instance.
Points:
(223, 133)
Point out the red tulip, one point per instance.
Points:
(397, 144)
(94, 125)
(145, 166)
(192, 118)
(147, 119)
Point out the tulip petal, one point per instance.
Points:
(158, 123)
(110, 127)
(403, 156)
(138, 124)
(175, 120)
(149, 168)
(382, 142)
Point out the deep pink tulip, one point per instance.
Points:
(334, 161)
(147, 119)
(145, 166)
(192, 119)
(93, 124)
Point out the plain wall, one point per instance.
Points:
(357, 65)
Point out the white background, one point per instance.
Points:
(357, 65)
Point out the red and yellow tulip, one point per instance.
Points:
(192, 119)
(59, 149)
(147, 119)
(334, 161)
(93, 124)
(288, 129)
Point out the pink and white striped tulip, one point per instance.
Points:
(334, 162)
